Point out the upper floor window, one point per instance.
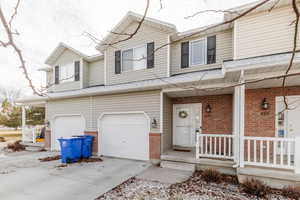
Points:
(67, 73)
(198, 52)
(134, 59)
(141, 57)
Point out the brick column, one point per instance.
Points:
(47, 144)
(95, 142)
(155, 147)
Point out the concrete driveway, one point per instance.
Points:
(23, 176)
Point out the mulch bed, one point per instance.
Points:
(193, 188)
(50, 158)
(89, 160)
(2, 139)
(16, 146)
(83, 160)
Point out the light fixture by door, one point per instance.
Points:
(154, 123)
(264, 104)
(208, 108)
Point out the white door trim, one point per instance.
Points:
(52, 139)
(277, 100)
(118, 113)
(199, 105)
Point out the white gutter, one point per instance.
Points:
(259, 62)
(154, 84)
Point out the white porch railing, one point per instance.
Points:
(29, 134)
(269, 152)
(215, 146)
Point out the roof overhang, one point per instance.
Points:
(260, 62)
(154, 84)
(129, 18)
(233, 12)
(61, 47)
(206, 30)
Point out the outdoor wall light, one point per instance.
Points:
(47, 124)
(264, 104)
(208, 108)
(154, 123)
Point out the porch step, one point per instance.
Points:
(33, 146)
(178, 165)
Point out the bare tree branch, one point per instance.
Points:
(14, 14)
(297, 15)
(213, 11)
(130, 35)
(12, 44)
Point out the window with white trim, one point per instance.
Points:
(198, 52)
(66, 73)
(134, 59)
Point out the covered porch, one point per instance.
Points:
(33, 134)
(235, 127)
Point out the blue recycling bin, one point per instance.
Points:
(71, 149)
(87, 145)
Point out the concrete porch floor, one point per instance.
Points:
(224, 166)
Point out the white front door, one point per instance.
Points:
(287, 124)
(186, 120)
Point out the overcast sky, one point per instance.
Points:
(42, 24)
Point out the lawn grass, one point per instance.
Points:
(10, 133)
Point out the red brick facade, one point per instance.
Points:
(219, 120)
(95, 142)
(154, 146)
(259, 122)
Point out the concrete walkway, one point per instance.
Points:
(164, 175)
(23, 176)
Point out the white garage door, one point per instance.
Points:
(66, 126)
(124, 136)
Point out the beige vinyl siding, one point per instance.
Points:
(49, 79)
(167, 137)
(224, 51)
(145, 35)
(92, 107)
(148, 102)
(85, 73)
(96, 73)
(264, 33)
(66, 57)
(67, 86)
(69, 107)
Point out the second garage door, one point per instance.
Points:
(124, 136)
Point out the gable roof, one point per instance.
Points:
(61, 47)
(127, 20)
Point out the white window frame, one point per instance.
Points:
(133, 49)
(205, 50)
(70, 79)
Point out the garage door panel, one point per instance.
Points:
(125, 136)
(65, 127)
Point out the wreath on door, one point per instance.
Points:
(183, 114)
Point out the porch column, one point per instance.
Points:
(239, 122)
(23, 122)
